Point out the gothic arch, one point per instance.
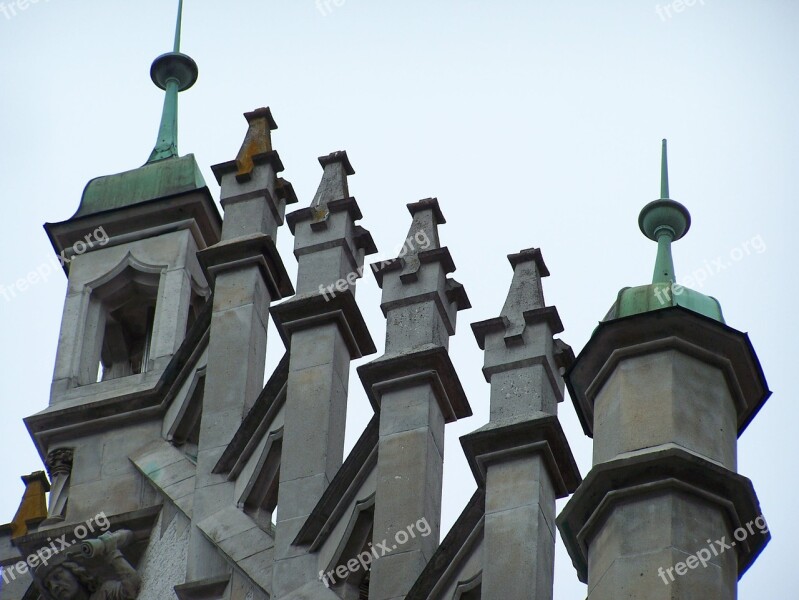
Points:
(259, 499)
(121, 310)
(469, 589)
(356, 540)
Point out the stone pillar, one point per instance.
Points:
(416, 390)
(665, 394)
(246, 274)
(59, 467)
(324, 330)
(521, 457)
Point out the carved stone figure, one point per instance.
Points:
(94, 570)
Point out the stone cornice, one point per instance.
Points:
(64, 420)
(256, 250)
(673, 328)
(431, 365)
(649, 472)
(307, 311)
(497, 442)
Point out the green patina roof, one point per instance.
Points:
(165, 173)
(646, 298)
(154, 180)
(663, 221)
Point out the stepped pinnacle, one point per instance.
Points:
(525, 291)
(423, 234)
(173, 72)
(333, 185)
(257, 141)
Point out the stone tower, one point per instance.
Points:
(174, 471)
(665, 388)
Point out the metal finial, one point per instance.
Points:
(178, 27)
(664, 173)
(173, 72)
(664, 221)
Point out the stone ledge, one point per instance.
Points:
(306, 311)
(132, 405)
(251, 250)
(230, 167)
(547, 314)
(675, 469)
(236, 535)
(193, 210)
(440, 255)
(311, 213)
(431, 364)
(204, 589)
(496, 442)
(668, 328)
(170, 472)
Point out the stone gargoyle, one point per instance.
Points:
(94, 569)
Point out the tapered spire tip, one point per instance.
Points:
(664, 221)
(173, 72)
(664, 172)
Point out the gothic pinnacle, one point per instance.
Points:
(427, 216)
(257, 141)
(525, 291)
(333, 185)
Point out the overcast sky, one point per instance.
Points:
(535, 124)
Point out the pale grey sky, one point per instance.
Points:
(534, 123)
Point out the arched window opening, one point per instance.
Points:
(260, 497)
(120, 332)
(357, 542)
(127, 339)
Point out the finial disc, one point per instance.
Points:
(664, 214)
(174, 65)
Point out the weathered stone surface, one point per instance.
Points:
(663, 398)
(163, 565)
(641, 533)
(672, 328)
(249, 483)
(717, 497)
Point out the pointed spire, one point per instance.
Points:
(334, 179)
(664, 173)
(257, 142)
(525, 291)
(422, 236)
(173, 72)
(427, 216)
(664, 221)
(178, 25)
